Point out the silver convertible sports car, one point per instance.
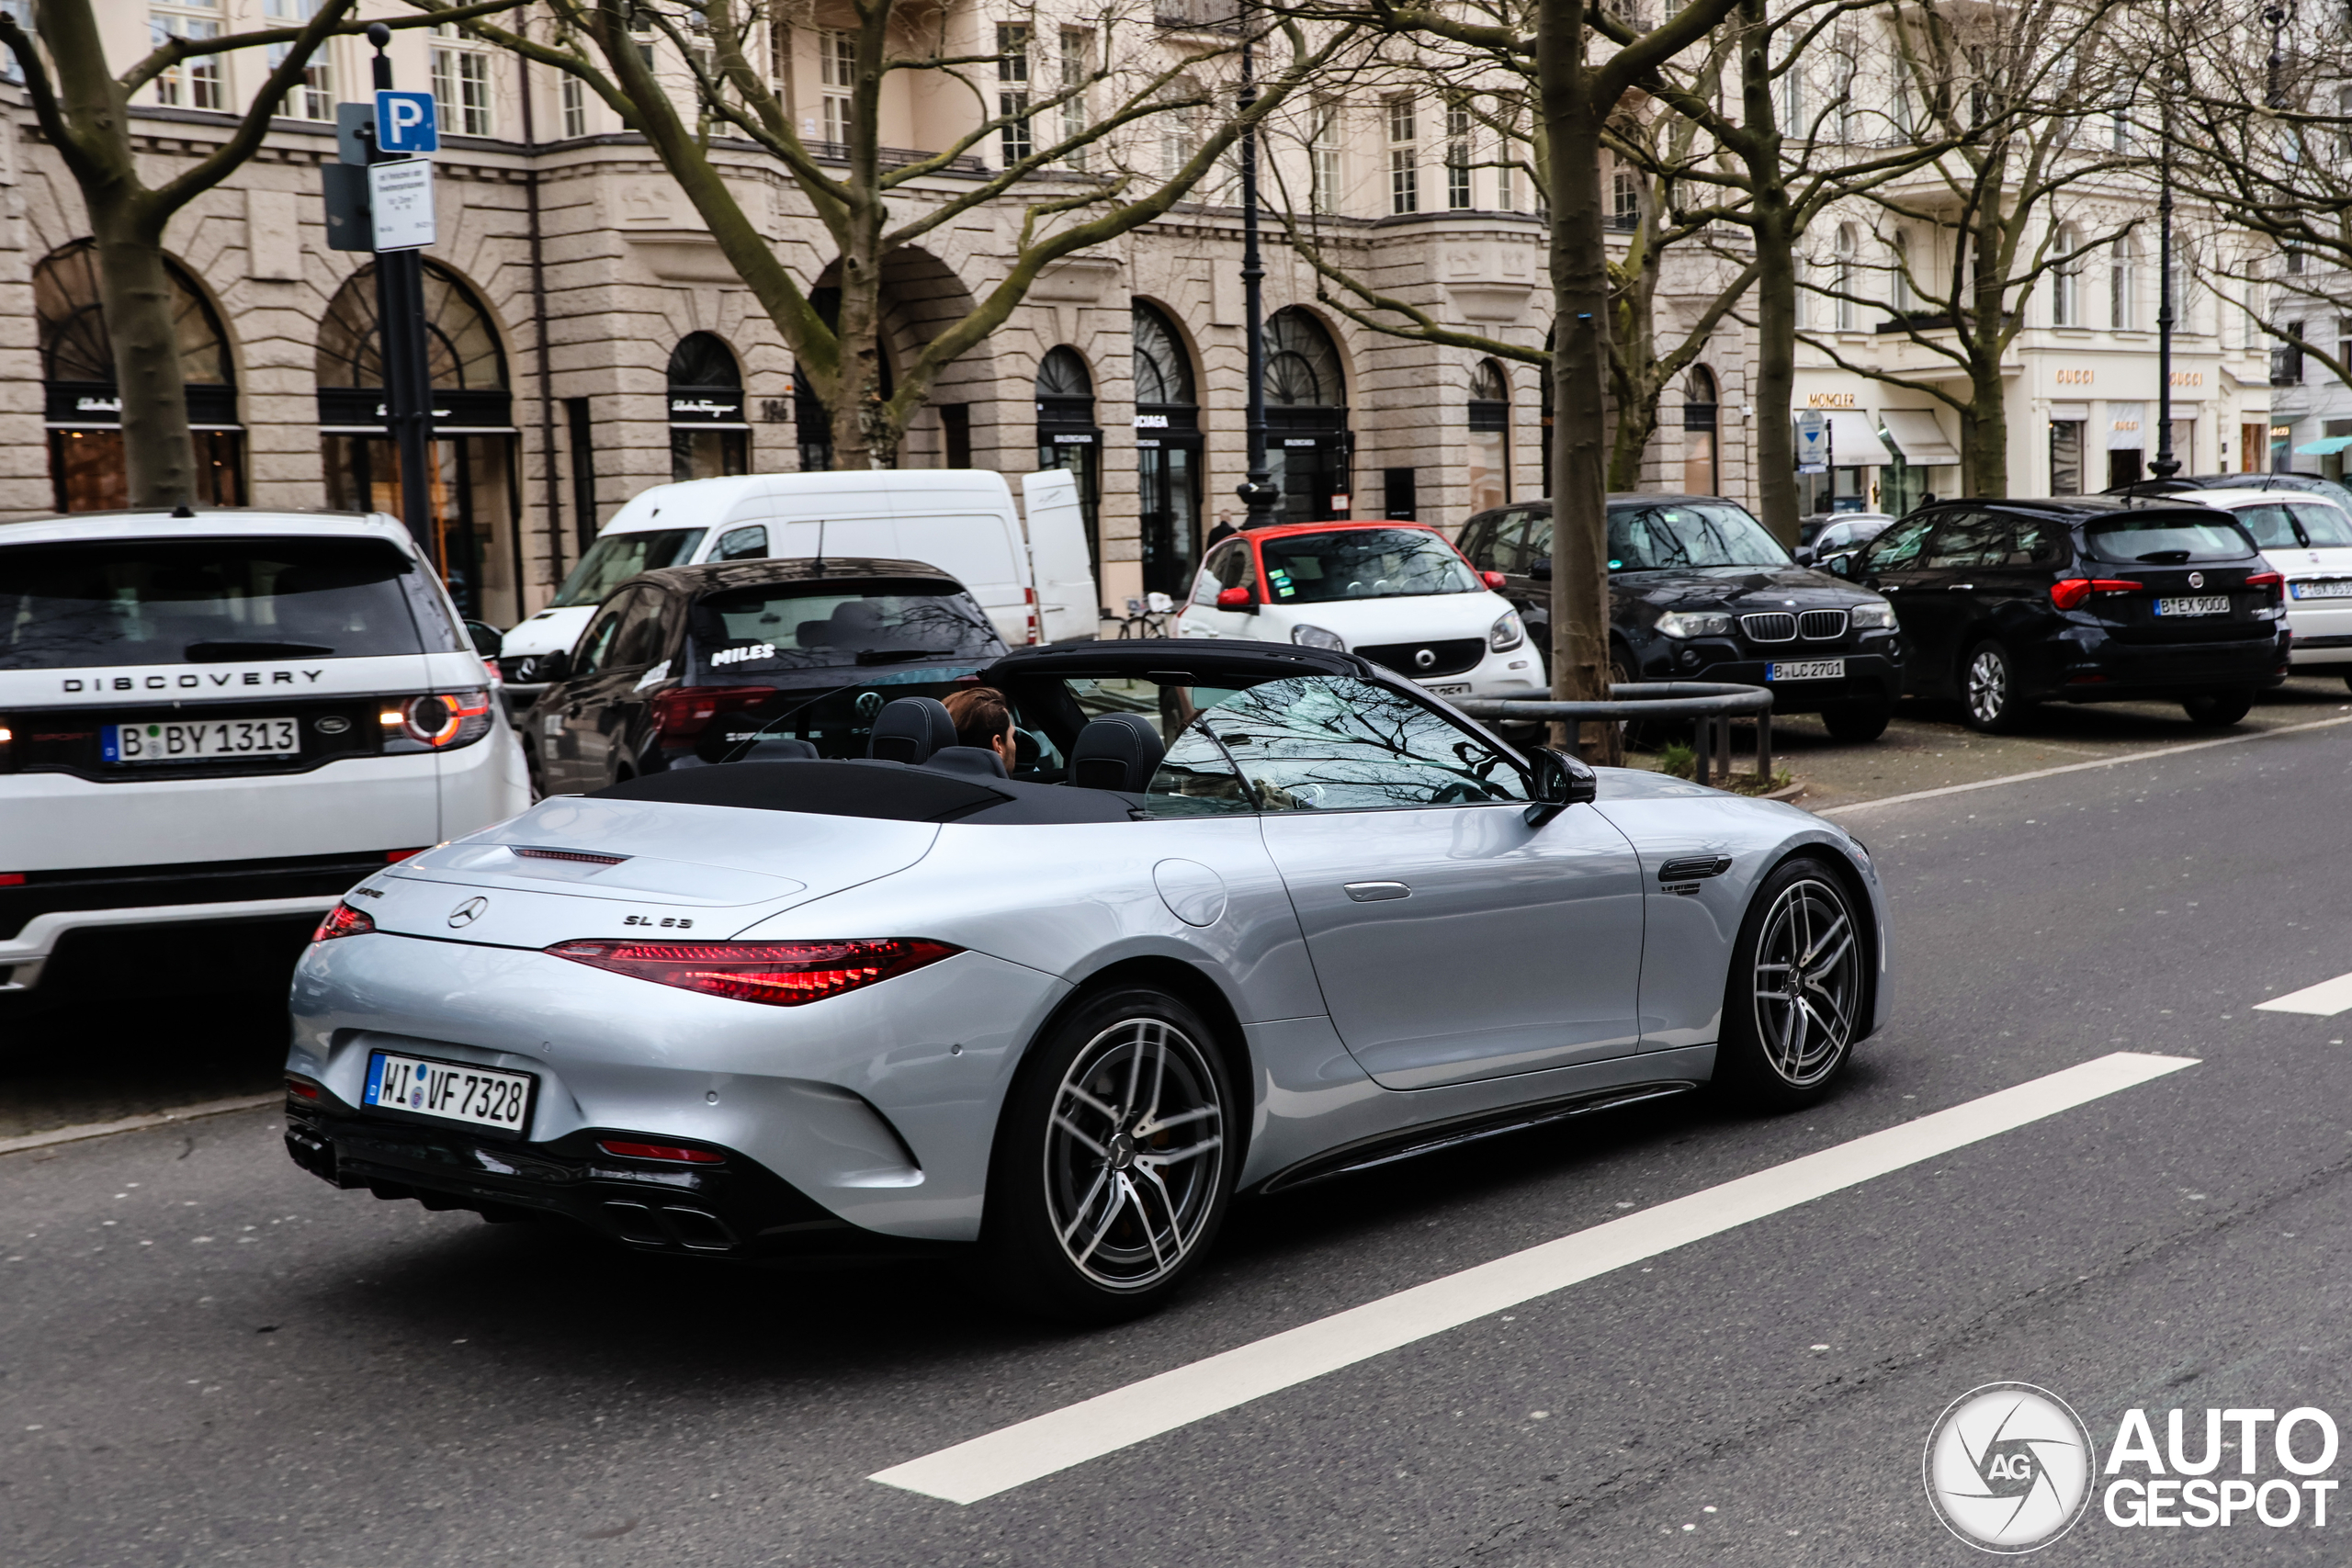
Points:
(1242, 917)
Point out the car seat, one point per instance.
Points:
(909, 729)
(779, 748)
(1119, 750)
(975, 761)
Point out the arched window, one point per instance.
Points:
(1490, 475)
(471, 486)
(1168, 453)
(1307, 441)
(1847, 241)
(2065, 278)
(708, 436)
(1700, 418)
(1066, 435)
(83, 407)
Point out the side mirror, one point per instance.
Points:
(1561, 781)
(1540, 569)
(487, 640)
(1804, 553)
(548, 667)
(1495, 580)
(1237, 599)
(1839, 565)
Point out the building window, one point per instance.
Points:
(1841, 83)
(1846, 240)
(1457, 157)
(1699, 412)
(2065, 285)
(313, 96)
(1793, 105)
(1326, 171)
(460, 84)
(1404, 161)
(1066, 435)
(1016, 138)
(2065, 456)
(709, 438)
(1506, 182)
(1077, 68)
(192, 84)
(2120, 285)
(836, 72)
(1899, 296)
(1490, 475)
(1624, 200)
(575, 105)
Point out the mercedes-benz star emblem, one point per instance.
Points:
(2197, 580)
(1424, 660)
(469, 911)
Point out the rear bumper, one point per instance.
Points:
(2100, 669)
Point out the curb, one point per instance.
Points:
(133, 1123)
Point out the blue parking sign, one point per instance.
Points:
(405, 122)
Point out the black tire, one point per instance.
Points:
(1856, 723)
(1988, 691)
(2217, 710)
(1141, 1204)
(1782, 1047)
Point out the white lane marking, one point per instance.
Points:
(133, 1123)
(2078, 767)
(2324, 1001)
(1043, 1445)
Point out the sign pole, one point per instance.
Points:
(399, 309)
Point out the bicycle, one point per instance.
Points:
(1152, 615)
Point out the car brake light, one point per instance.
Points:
(343, 920)
(304, 1088)
(12, 879)
(393, 857)
(437, 720)
(2068, 592)
(2272, 583)
(779, 974)
(683, 712)
(676, 1153)
(1029, 597)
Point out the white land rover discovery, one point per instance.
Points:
(217, 719)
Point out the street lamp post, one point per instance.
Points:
(1258, 492)
(2165, 465)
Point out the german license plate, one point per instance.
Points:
(1806, 669)
(2336, 588)
(450, 1090)
(190, 741)
(1447, 689)
(2207, 605)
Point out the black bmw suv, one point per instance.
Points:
(1698, 591)
(2087, 599)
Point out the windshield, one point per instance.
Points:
(1363, 563)
(614, 558)
(211, 601)
(1709, 534)
(2165, 540)
(741, 633)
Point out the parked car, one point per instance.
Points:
(688, 665)
(1035, 583)
(1698, 591)
(2309, 539)
(1397, 594)
(2006, 603)
(1839, 532)
(1286, 919)
(2309, 484)
(212, 720)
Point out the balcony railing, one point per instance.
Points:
(895, 157)
(1198, 15)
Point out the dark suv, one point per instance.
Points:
(2003, 603)
(1698, 591)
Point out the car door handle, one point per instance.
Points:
(1375, 892)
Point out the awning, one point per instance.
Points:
(2326, 446)
(1915, 434)
(2070, 413)
(1853, 440)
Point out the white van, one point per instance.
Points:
(1037, 588)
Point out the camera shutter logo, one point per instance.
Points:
(2009, 1467)
(469, 911)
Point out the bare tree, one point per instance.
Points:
(871, 203)
(84, 109)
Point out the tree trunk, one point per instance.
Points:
(1772, 447)
(1633, 359)
(1580, 267)
(135, 292)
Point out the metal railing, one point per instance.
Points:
(1712, 703)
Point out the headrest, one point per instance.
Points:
(1119, 751)
(779, 748)
(975, 761)
(910, 730)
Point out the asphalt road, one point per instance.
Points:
(208, 1356)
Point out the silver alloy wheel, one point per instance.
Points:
(1134, 1154)
(1988, 686)
(1808, 982)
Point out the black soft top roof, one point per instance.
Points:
(886, 791)
(1199, 661)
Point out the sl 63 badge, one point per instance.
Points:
(650, 921)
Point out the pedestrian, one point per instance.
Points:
(1223, 531)
(983, 718)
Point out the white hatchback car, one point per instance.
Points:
(1397, 594)
(225, 718)
(2309, 538)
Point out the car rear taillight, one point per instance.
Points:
(683, 712)
(301, 1088)
(435, 721)
(2068, 592)
(1036, 635)
(2273, 585)
(12, 879)
(779, 974)
(677, 1153)
(343, 920)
